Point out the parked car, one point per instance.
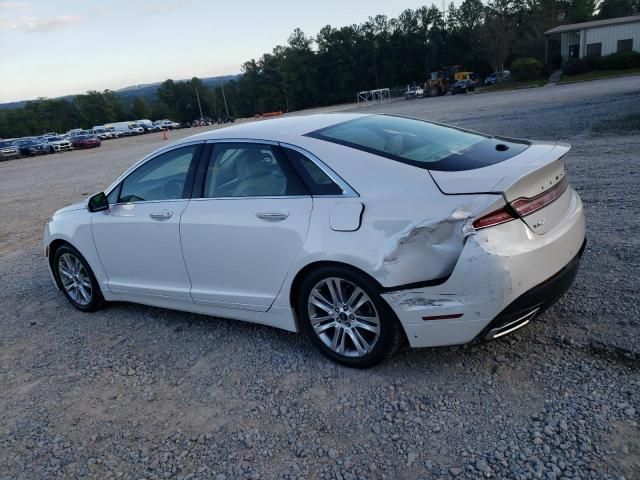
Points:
(497, 77)
(137, 129)
(113, 132)
(168, 124)
(463, 86)
(101, 132)
(56, 144)
(74, 132)
(414, 92)
(123, 128)
(85, 141)
(225, 119)
(31, 146)
(147, 125)
(8, 150)
(358, 262)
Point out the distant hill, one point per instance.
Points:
(145, 91)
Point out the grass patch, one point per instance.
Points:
(596, 74)
(618, 125)
(512, 85)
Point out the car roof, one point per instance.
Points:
(277, 129)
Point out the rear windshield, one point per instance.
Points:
(421, 143)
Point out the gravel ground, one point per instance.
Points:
(139, 392)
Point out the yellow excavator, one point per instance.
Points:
(441, 81)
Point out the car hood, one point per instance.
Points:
(70, 208)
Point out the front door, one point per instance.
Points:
(240, 239)
(138, 238)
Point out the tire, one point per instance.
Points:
(65, 261)
(372, 324)
(434, 92)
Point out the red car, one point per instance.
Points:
(85, 141)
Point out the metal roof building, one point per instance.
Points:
(599, 37)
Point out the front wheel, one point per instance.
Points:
(76, 279)
(346, 319)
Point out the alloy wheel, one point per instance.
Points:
(75, 279)
(344, 317)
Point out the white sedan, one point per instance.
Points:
(363, 231)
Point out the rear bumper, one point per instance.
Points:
(497, 267)
(532, 303)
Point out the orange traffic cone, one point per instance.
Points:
(165, 135)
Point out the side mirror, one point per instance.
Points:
(98, 203)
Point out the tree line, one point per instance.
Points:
(333, 65)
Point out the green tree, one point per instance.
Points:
(140, 109)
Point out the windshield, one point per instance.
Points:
(421, 143)
(54, 139)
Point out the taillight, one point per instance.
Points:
(527, 206)
(496, 217)
(522, 207)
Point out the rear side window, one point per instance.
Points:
(420, 143)
(319, 183)
(249, 170)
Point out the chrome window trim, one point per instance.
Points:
(145, 159)
(150, 201)
(260, 197)
(242, 140)
(347, 190)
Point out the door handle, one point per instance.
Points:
(272, 216)
(161, 216)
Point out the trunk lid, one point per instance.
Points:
(531, 174)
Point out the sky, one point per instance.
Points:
(50, 48)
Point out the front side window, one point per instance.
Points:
(161, 178)
(249, 170)
(594, 49)
(421, 143)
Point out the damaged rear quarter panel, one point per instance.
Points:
(410, 231)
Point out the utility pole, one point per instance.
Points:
(199, 106)
(375, 61)
(225, 100)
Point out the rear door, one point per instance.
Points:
(241, 236)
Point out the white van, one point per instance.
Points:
(125, 128)
(137, 128)
(101, 132)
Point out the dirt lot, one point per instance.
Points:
(139, 392)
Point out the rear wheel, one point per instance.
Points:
(434, 92)
(76, 279)
(346, 319)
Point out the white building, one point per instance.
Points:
(600, 37)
